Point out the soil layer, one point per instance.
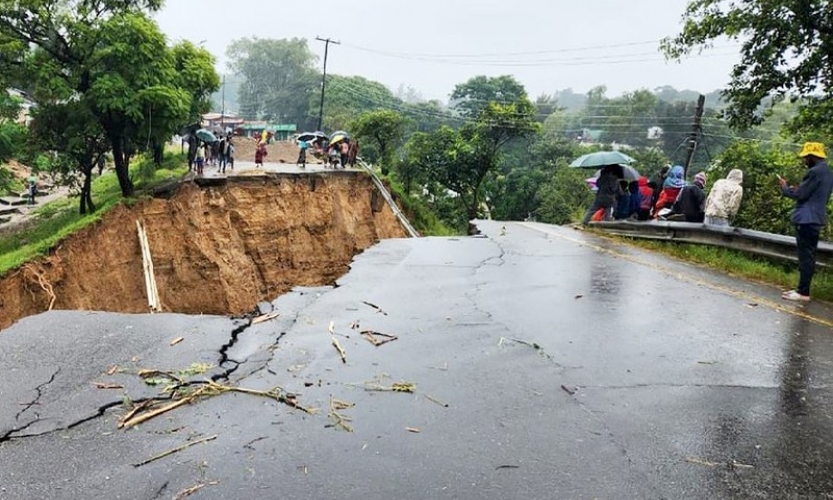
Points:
(216, 250)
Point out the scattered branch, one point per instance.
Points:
(340, 421)
(176, 450)
(374, 337)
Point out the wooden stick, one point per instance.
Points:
(341, 351)
(176, 450)
(155, 413)
(265, 318)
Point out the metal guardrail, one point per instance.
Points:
(745, 240)
(389, 199)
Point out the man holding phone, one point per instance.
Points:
(810, 214)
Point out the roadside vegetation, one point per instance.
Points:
(56, 220)
(743, 265)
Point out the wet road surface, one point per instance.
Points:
(548, 363)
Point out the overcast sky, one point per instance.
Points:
(434, 44)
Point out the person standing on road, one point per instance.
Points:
(723, 202)
(810, 214)
(345, 150)
(260, 152)
(221, 155)
(229, 155)
(200, 159)
(354, 152)
(302, 154)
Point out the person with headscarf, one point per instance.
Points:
(671, 188)
(724, 199)
(810, 214)
(691, 202)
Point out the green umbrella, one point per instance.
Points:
(602, 158)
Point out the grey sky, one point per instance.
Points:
(426, 37)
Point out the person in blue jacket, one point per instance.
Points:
(810, 214)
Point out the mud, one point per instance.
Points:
(216, 250)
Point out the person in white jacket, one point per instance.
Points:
(724, 199)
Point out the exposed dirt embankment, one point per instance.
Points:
(216, 250)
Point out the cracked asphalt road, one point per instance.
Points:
(549, 363)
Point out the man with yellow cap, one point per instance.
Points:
(810, 214)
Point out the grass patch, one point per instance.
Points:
(744, 265)
(58, 219)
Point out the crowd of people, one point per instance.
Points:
(668, 196)
(219, 153)
(671, 197)
(336, 155)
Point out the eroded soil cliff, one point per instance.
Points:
(216, 250)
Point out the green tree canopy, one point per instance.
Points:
(786, 46)
(385, 128)
(471, 97)
(280, 78)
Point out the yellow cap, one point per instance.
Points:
(813, 149)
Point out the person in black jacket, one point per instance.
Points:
(810, 214)
(607, 194)
(691, 202)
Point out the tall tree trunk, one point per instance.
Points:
(158, 153)
(87, 204)
(121, 161)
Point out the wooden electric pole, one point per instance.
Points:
(327, 43)
(695, 133)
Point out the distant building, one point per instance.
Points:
(25, 115)
(589, 136)
(282, 132)
(212, 120)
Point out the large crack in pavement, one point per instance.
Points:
(244, 323)
(39, 389)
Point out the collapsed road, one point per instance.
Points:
(531, 362)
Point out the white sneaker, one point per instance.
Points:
(795, 296)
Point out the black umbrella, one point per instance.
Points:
(311, 136)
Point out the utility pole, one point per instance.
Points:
(223, 111)
(695, 134)
(327, 43)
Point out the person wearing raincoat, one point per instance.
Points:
(671, 188)
(723, 202)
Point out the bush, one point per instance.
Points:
(565, 197)
(763, 208)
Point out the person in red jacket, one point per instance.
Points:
(260, 152)
(670, 189)
(646, 193)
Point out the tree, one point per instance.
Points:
(472, 97)
(75, 135)
(280, 78)
(12, 135)
(460, 160)
(385, 128)
(786, 45)
(108, 55)
(349, 96)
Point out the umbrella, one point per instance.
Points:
(591, 182)
(339, 136)
(629, 173)
(311, 136)
(601, 158)
(205, 135)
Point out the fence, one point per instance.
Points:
(745, 240)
